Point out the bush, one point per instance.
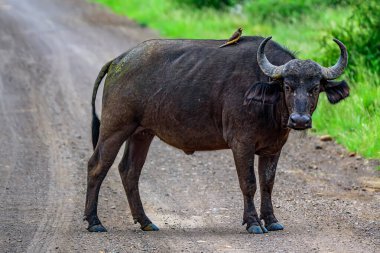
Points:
(356, 122)
(361, 35)
(288, 11)
(217, 4)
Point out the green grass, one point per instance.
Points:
(354, 122)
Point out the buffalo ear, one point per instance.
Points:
(263, 93)
(336, 91)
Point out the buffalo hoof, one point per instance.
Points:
(257, 230)
(97, 228)
(275, 226)
(150, 227)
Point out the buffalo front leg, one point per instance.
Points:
(244, 159)
(130, 168)
(267, 172)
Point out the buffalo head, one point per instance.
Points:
(301, 81)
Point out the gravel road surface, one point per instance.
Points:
(50, 54)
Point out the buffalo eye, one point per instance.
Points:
(287, 88)
(314, 90)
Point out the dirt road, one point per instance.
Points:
(50, 54)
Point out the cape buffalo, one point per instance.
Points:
(196, 96)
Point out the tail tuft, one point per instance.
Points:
(95, 125)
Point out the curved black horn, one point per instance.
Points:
(268, 68)
(336, 70)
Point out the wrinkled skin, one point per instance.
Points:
(196, 96)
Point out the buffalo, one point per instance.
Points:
(196, 96)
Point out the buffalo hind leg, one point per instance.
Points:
(267, 172)
(130, 167)
(98, 166)
(244, 158)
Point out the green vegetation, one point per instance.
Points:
(306, 26)
(217, 4)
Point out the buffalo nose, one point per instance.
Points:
(299, 121)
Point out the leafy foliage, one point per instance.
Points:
(361, 34)
(356, 123)
(217, 4)
(289, 10)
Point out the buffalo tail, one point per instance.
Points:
(95, 124)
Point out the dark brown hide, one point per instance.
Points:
(194, 96)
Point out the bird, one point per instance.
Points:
(234, 38)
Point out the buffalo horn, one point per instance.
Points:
(268, 68)
(336, 70)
